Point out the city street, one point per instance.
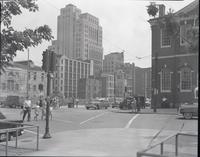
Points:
(83, 124)
(80, 118)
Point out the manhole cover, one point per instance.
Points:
(29, 140)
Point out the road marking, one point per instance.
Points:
(60, 120)
(92, 118)
(130, 121)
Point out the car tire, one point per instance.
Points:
(187, 115)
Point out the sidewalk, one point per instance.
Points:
(93, 142)
(169, 111)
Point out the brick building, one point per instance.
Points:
(174, 65)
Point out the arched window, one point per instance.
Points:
(185, 79)
(165, 80)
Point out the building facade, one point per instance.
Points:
(79, 36)
(19, 80)
(67, 75)
(89, 88)
(113, 62)
(174, 64)
(129, 72)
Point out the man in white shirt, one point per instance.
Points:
(27, 108)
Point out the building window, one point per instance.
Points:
(17, 87)
(186, 80)
(165, 80)
(165, 39)
(3, 86)
(34, 87)
(29, 75)
(10, 84)
(29, 87)
(35, 76)
(42, 77)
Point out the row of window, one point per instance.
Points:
(11, 86)
(35, 76)
(166, 39)
(185, 80)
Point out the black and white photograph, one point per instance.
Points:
(99, 78)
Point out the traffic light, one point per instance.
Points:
(45, 61)
(52, 61)
(49, 61)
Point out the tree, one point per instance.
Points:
(13, 40)
(152, 9)
(172, 24)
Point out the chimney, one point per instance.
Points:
(161, 10)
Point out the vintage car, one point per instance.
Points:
(6, 124)
(188, 111)
(97, 104)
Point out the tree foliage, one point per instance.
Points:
(13, 40)
(152, 9)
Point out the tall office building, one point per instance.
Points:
(79, 36)
(67, 30)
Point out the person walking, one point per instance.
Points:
(133, 105)
(76, 103)
(27, 108)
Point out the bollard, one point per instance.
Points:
(176, 145)
(6, 143)
(37, 147)
(161, 148)
(16, 138)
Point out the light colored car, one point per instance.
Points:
(188, 111)
(97, 104)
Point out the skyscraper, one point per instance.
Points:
(79, 36)
(67, 30)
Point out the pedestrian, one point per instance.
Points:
(76, 103)
(36, 111)
(133, 105)
(27, 108)
(43, 108)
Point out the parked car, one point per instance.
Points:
(97, 104)
(115, 104)
(5, 124)
(188, 111)
(13, 102)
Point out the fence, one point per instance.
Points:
(20, 126)
(176, 153)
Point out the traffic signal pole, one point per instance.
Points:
(47, 134)
(49, 61)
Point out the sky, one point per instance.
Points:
(124, 23)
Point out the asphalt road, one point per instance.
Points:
(69, 119)
(80, 118)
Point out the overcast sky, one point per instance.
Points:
(124, 24)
